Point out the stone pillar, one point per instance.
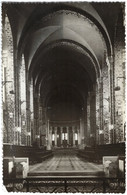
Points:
(44, 123)
(88, 119)
(92, 117)
(40, 122)
(67, 135)
(31, 112)
(73, 132)
(61, 130)
(51, 131)
(82, 133)
(28, 126)
(112, 98)
(48, 137)
(106, 109)
(79, 138)
(23, 102)
(17, 64)
(97, 111)
(55, 136)
(29, 107)
(101, 125)
(119, 80)
(36, 116)
(104, 102)
(16, 87)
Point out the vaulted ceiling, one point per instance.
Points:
(63, 45)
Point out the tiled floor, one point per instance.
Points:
(65, 163)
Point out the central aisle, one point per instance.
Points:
(67, 163)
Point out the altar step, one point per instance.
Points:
(68, 174)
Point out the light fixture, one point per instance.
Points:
(4, 82)
(23, 123)
(101, 132)
(117, 88)
(29, 134)
(11, 115)
(49, 108)
(106, 121)
(107, 99)
(12, 92)
(21, 102)
(36, 136)
(111, 126)
(18, 129)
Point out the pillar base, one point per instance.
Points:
(81, 147)
(48, 147)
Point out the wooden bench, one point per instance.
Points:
(88, 155)
(95, 154)
(33, 153)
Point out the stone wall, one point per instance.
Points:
(119, 71)
(8, 84)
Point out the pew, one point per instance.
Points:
(96, 153)
(34, 154)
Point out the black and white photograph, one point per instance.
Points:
(63, 86)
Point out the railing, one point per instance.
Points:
(66, 185)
